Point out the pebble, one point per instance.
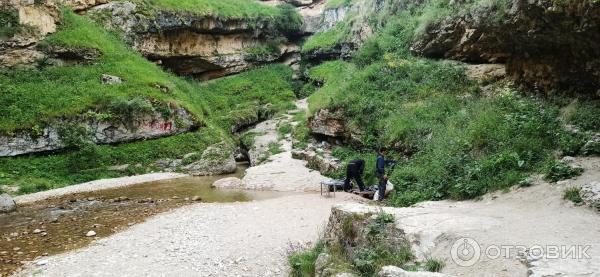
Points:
(90, 234)
(196, 198)
(16, 248)
(37, 231)
(175, 197)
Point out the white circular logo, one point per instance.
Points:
(465, 252)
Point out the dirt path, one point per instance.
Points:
(280, 172)
(238, 239)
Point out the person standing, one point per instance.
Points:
(380, 172)
(354, 170)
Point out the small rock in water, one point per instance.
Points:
(16, 248)
(90, 234)
(54, 220)
(175, 197)
(37, 231)
(196, 198)
(91, 199)
(187, 199)
(43, 234)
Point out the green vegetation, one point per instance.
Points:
(458, 143)
(53, 171)
(274, 148)
(303, 262)
(338, 3)
(284, 129)
(33, 98)
(327, 40)
(586, 115)
(556, 171)
(574, 195)
(239, 9)
(434, 265)
(9, 23)
(364, 247)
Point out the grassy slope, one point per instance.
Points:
(221, 8)
(34, 97)
(460, 144)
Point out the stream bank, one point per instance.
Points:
(57, 221)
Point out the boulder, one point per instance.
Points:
(392, 271)
(217, 159)
(7, 204)
(323, 260)
(111, 80)
(328, 123)
(229, 183)
(592, 147)
(590, 193)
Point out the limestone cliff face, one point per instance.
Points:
(547, 45)
(151, 125)
(202, 46)
(361, 19)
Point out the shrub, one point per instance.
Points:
(434, 265)
(573, 194)
(303, 262)
(556, 171)
(32, 185)
(284, 129)
(587, 115)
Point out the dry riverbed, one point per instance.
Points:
(66, 222)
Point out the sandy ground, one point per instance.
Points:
(236, 239)
(97, 185)
(529, 217)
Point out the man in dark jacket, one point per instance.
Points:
(380, 172)
(355, 170)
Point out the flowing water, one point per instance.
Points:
(61, 224)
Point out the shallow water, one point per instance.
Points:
(57, 225)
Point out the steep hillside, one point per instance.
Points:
(460, 130)
(84, 86)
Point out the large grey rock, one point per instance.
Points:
(7, 204)
(229, 183)
(392, 271)
(111, 80)
(217, 159)
(323, 260)
(590, 193)
(152, 125)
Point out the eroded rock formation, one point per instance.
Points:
(196, 45)
(49, 138)
(547, 45)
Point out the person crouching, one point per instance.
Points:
(354, 170)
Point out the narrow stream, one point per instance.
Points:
(61, 224)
